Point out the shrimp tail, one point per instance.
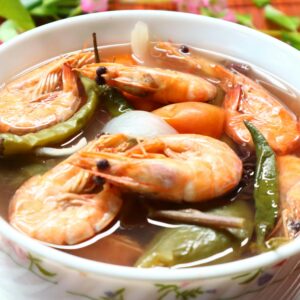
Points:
(70, 80)
(235, 127)
(233, 98)
(81, 59)
(48, 83)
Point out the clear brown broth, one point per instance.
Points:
(133, 229)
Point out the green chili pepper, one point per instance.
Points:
(266, 191)
(276, 242)
(14, 144)
(114, 101)
(187, 243)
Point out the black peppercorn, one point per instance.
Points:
(100, 71)
(103, 164)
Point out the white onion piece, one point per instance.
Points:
(58, 152)
(140, 41)
(138, 123)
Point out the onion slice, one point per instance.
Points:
(140, 42)
(138, 123)
(58, 152)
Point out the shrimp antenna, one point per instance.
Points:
(97, 58)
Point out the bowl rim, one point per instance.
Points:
(152, 274)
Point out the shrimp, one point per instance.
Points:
(289, 181)
(184, 167)
(159, 85)
(20, 115)
(249, 101)
(64, 206)
(244, 100)
(194, 117)
(43, 97)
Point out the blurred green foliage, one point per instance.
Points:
(274, 15)
(261, 3)
(15, 11)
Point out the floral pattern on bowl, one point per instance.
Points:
(25, 270)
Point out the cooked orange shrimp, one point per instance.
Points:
(169, 53)
(251, 102)
(245, 100)
(43, 97)
(20, 114)
(159, 85)
(194, 117)
(184, 167)
(48, 77)
(64, 206)
(289, 180)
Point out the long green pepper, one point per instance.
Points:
(114, 102)
(266, 190)
(14, 144)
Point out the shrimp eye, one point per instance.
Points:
(103, 164)
(184, 49)
(98, 180)
(100, 71)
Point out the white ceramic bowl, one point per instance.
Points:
(33, 271)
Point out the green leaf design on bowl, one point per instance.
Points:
(181, 294)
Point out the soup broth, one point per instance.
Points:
(133, 229)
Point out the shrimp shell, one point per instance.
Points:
(155, 84)
(43, 97)
(60, 207)
(289, 180)
(185, 167)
